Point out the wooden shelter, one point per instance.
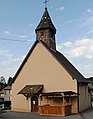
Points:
(52, 107)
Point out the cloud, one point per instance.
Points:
(31, 25)
(90, 10)
(89, 32)
(60, 8)
(78, 48)
(79, 52)
(86, 70)
(87, 20)
(9, 63)
(7, 71)
(4, 53)
(71, 21)
(8, 58)
(10, 34)
(22, 36)
(7, 33)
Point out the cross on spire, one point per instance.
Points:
(46, 1)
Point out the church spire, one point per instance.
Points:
(46, 22)
(46, 31)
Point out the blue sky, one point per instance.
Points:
(73, 20)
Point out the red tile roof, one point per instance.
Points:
(7, 88)
(2, 91)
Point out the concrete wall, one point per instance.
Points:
(41, 68)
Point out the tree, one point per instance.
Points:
(90, 80)
(2, 82)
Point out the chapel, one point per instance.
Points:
(46, 82)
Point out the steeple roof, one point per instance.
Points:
(46, 22)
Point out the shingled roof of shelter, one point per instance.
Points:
(46, 22)
(60, 58)
(31, 89)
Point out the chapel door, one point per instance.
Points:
(34, 104)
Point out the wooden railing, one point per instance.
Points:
(55, 110)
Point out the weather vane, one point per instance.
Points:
(46, 1)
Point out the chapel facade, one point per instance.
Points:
(46, 82)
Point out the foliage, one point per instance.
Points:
(90, 80)
(2, 80)
(2, 83)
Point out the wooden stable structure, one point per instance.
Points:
(52, 107)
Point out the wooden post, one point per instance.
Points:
(39, 100)
(69, 99)
(63, 98)
(63, 107)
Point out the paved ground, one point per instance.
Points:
(15, 115)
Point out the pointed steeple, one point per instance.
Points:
(46, 22)
(46, 31)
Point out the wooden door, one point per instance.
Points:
(34, 104)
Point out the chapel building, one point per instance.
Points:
(46, 82)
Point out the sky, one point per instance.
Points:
(73, 20)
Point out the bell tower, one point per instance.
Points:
(46, 31)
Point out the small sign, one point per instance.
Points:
(34, 102)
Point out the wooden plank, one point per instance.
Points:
(55, 110)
